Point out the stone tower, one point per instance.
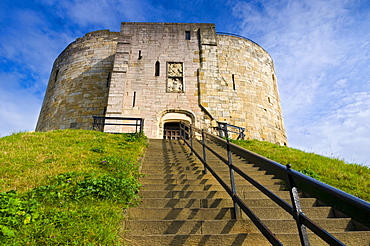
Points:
(164, 73)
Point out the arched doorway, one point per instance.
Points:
(170, 122)
(171, 130)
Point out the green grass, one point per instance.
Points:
(351, 178)
(67, 187)
(70, 187)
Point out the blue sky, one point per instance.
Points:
(321, 51)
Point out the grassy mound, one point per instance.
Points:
(66, 187)
(351, 178)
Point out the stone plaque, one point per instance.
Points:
(175, 81)
(174, 69)
(174, 85)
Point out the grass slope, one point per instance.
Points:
(351, 178)
(66, 187)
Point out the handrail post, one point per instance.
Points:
(180, 127)
(220, 133)
(191, 139)
(141, 126)
(204, 151)
(297, 209)
(94, 124)
(183, 130)
(232, 179)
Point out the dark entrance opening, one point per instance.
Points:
(171, 130)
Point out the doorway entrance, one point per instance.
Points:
(171, 130)
(170, 122)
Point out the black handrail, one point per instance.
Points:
(353, 207)
(100, 122)
(223, 129)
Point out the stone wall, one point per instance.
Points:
(253, 99)
(137, 90)
(238, 86)
(78, 87)
(164, 73)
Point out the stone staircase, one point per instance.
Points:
(183, 206)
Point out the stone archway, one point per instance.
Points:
(170, 120)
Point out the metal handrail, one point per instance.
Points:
(99, 123)
(223, 129)
(354, 207)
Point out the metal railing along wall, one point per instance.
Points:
(224, 130)
(353, 207)
(100, 122)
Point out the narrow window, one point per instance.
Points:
(233, 78)
(140, 56)
(134, 99)
(108, 79)
(56, 75)
(187, 35)
(157, 68)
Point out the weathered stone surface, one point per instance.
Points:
(154, 71)
(77, 87)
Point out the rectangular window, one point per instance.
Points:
(175, 81)
(187, 35)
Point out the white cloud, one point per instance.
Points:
(321, 53)
(27, 53)
(35, 36)
(19, 107)
(342, 132)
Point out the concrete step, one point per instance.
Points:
(210, 180)
(152, 168)
(150, 180)
(255, 239)
(197, 170)
(212, 203)
(207, 194)
(168, 165)
(151, 227)
(172, 162)
(221, 213)
(351, 238)
(200, 175)
(180, 213)
(185, 203)
(184, 206)
(278, 213)
(289, 225)
(205, 187)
